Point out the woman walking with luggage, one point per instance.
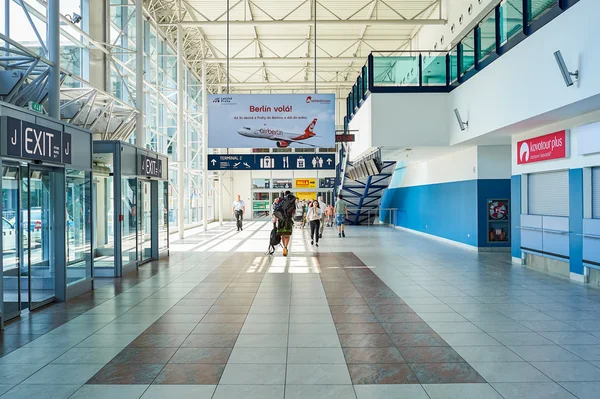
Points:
(314, 216)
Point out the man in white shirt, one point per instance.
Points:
(238, 210)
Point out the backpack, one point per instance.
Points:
(274, 240)
(285, 209)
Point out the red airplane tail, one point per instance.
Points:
(309, 131)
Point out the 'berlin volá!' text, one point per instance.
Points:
(266, 108)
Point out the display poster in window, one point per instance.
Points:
(498, 220)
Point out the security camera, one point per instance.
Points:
(462, 124)
(566, 74)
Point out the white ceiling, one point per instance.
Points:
(271, 43)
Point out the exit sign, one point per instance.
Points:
(344, 138)
(35, 107)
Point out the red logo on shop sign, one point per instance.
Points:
(543, 148)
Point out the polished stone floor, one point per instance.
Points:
(378, 314)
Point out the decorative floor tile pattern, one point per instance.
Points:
(398, 317)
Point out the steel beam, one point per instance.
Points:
(391, 23)
(287, 60)
(53, 43)
(140, 132)
(204, 150)
(180, 136)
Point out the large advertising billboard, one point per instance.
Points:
(271, 120)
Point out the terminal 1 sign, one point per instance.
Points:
(542, 148)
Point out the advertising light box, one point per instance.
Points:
(543, 148)
(271, 120)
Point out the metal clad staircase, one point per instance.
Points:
(364, 195)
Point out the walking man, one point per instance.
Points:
(341, 214)
(238, 210)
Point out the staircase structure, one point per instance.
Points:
(363, 195)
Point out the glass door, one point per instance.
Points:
(38, 219)
(11, 231)
(28, 238)
(129, 224)
(145, 221)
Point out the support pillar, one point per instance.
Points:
(140, 132)
(220, 200)
(53, 44)
(180, 135)
(204, 150)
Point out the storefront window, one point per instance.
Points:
(130, 213)
(261, 183)
(78, 225)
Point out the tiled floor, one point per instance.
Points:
(379, 314)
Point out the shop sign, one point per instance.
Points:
(305, 183)
(282, 183)
(327, 182)
(151, 167)
(31, 141)
(260, 205)
(543, 148)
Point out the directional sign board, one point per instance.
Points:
(268, 161)
(27, 140)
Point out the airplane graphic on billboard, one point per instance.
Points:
(283, 139)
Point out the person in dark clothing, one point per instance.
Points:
(314, 216)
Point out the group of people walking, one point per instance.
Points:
(288, 210)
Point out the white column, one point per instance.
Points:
(180, 134)
(220, 199)
(53, 44)
(204, 149)
(140, 132)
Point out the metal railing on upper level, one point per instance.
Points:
(412, 71)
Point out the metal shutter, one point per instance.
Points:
(549, 193)
(596, 193)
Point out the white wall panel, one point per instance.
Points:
(524, 88)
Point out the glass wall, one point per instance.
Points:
(78, 225)
(129, 209)
(511, 19)
(104, 257)
(487, 35)
(467, 47)
(163, 215)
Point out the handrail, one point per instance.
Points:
(442, 71)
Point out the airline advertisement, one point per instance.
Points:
(271, 120)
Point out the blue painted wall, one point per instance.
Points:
(515, 219)
(491, 189)
(456, 211)
(576, 220)
(447, 210)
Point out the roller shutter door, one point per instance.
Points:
(596, 193)
(548, 193)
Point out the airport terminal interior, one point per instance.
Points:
(302, 199)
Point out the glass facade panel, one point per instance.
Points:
(511, 19)
(163, 215)
(396, 71)
(487, 35)
(130, 217)
(538, 8)
(453, 65)
(10, 239)
(467, 47)
(434, 70)
(78, 224)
